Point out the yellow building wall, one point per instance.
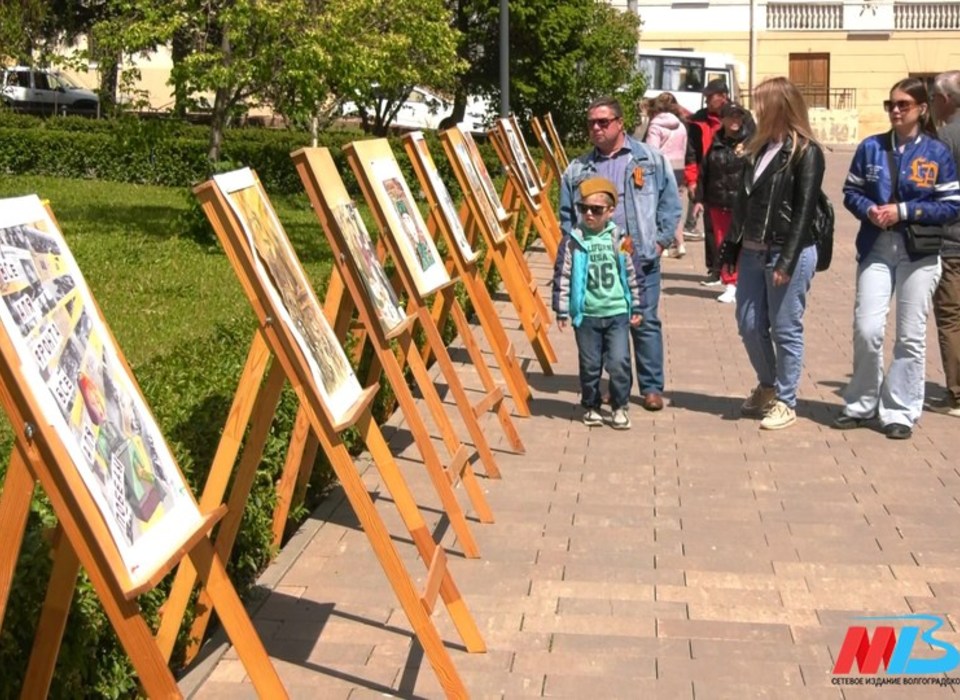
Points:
(868, 63)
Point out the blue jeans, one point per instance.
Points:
(603, 343)
(887, 269)
(770, 318)
(648, 336)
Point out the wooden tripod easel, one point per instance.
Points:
(559, 152)
(550, 170)
(289, 363)
(502, 249)
(83, 537)
(519, 196)
(327, 193)
(468, 272)
(362, 155)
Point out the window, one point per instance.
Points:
(672, 73)
(40, 81)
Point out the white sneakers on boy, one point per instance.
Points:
(620, 420)
(592, 417)
(729, 294)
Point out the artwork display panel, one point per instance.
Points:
(66, 354)
(281, 276)
(379, 290)
(485, 180)
(521, 156)
(448, 208)
(407, 226)
(462, 151)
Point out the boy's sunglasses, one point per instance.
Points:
(594, 209)
(899, 105)
(602, 123)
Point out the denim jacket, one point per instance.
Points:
(652, 210)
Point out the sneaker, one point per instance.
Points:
(948, 409)
(758, 402)
(711, 282)
(679, 251)
(692, 235)
(778, 416)
(729, 294)
(592, 417)
(620, 420)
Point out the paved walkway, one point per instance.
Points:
(691, 557)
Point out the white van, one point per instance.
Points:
(685, 72)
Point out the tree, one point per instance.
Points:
(380, 51)
(563, 54)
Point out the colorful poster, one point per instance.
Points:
(482, 201)
(69, 362)
(407, 226)
(484, 175)
(521, 156)
(285, 282)
(447, 207)
(375, 281)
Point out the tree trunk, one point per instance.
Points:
(109, 81)
(221, 108)
(180, 51)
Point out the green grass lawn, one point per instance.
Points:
(157, 288)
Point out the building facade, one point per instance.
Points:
(844, 54)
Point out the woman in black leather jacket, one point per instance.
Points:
(771, 244)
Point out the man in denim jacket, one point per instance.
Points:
(648, 208)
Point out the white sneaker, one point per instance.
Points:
(729, 294)
(778, 416)
(592, 417)
(711, 282)
(620, 420)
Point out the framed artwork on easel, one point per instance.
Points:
(521, 156)
(283, 279)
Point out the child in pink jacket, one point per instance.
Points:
(667, 132)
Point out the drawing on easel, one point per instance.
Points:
(483, 202)
(284, 280)
(447, 206)
(375, 280)
(481, 169)
(521, 156)
(407, 226)
(68, 359)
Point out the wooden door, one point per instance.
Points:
(811, 73)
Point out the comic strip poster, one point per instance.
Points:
(447, 207)
(378, 288)
(521, 156)
(281, 276)
(407, 226)
(484, 175)
(67, 357)
(479, 197)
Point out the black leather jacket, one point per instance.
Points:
(721, 172)
(778, 208)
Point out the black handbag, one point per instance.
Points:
(921, 239)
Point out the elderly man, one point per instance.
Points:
(648, 208)
(946, 300)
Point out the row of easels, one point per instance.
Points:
(125, 513)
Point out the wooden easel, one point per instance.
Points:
(292, 365)
(326, 192)
(558, 150)
(468, 273)
(502, 249)
(520, 196)
(362, 155)
(83, 537)
(550, 170)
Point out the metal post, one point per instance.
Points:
(752, 77)
(504, 58)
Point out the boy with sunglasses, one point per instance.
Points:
(597, 287)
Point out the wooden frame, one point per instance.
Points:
(293, 367)
(504, 252)
(444, 218)
(366, 159)
(329, 198)
(83, 537)
(558, 150)
(550, 170)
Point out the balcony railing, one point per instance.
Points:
(914, 16)
(833, 98)
(795, 16)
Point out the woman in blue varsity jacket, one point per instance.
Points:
(899, 182)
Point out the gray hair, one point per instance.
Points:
(948, 85)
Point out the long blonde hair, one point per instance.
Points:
(781, 111)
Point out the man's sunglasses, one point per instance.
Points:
(899, 105)
(602, 123)
(594, 209)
